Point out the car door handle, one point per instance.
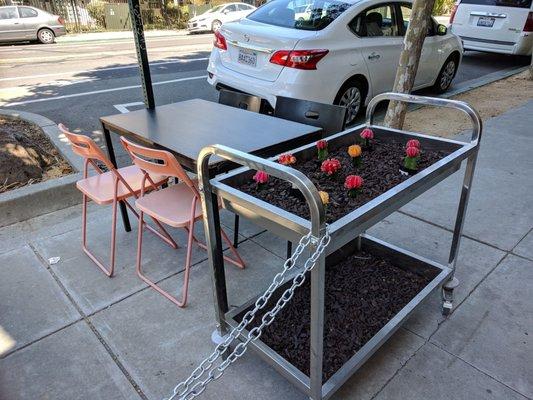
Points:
(374, 56)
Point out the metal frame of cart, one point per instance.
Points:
(344, 231)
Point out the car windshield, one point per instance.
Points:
(214, 9)
(501, 3)
(312, 15)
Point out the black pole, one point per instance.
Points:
(142, 56)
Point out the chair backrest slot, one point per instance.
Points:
(239, 100)
(155, 161)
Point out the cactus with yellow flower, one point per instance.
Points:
(355, 152)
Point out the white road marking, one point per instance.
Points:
(74, 56)
(123, 108)
(154, 64)
(67, 96)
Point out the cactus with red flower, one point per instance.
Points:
(287, 159)
(353, 183)
(413, 143)
(330, 166)
(322, 147)
(261, 178)
(367, 135)
(412, 154)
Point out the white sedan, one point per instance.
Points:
(212, 19)
(336, 51)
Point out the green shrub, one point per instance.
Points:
(443, 7)
(96, 9)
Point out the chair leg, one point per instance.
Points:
(238, 262)
(152, 284)
(163, 235)
(108, 272)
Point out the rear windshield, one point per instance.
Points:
(501, 3)
(311, 15)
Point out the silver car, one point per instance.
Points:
(21, 23)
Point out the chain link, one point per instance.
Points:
(193, 386)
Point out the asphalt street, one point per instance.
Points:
(76, 83)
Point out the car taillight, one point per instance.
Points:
(61, 21)
(299, 59)
(220, 41)
(528, 27)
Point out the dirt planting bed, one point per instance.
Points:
(363, 293)
(27, 155)
(379, 170)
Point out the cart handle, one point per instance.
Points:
(291, 175)
(428, 101)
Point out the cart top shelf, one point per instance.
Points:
(291, 226)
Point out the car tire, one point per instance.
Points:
(446, 75)
(46, 36)
(352, 96)
(215, 25)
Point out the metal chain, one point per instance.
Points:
(184, 390)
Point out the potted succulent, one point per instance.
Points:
(367, 135)
(353, 183)
(355, 152)
(322, 149)
(261, 178)
(412, 156)
(331, 166)
(287, 159)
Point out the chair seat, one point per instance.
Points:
(99, 188)
(171, 205)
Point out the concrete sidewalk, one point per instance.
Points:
(117, 35)
(81, 335)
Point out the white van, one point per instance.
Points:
(498, 26)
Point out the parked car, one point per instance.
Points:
(341, 52)
(498, 26)
(212, 19)
(21, 23)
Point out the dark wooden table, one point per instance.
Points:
(185, 128)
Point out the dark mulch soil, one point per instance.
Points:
(379, 169)
(363, 293)
(27, 155)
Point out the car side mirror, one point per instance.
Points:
(442, 30)
(225, 12)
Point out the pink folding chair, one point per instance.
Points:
(177, 205)
(110, 188)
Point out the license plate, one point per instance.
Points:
(248, 58)
(486, 21)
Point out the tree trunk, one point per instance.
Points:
(409, 59)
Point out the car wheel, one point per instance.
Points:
(215, 26)
(446, 75)
(46, 36)
(351, 96)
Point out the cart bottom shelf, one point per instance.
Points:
(364, 291)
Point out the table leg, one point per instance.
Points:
(112, 158)
(236, 232)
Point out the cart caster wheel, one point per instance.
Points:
(447, 308)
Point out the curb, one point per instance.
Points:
(44, 197)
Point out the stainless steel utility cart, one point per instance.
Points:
(344, 235)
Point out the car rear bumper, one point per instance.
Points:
(59, 30)
(290, 83)
(522, 47)
(198, 27)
